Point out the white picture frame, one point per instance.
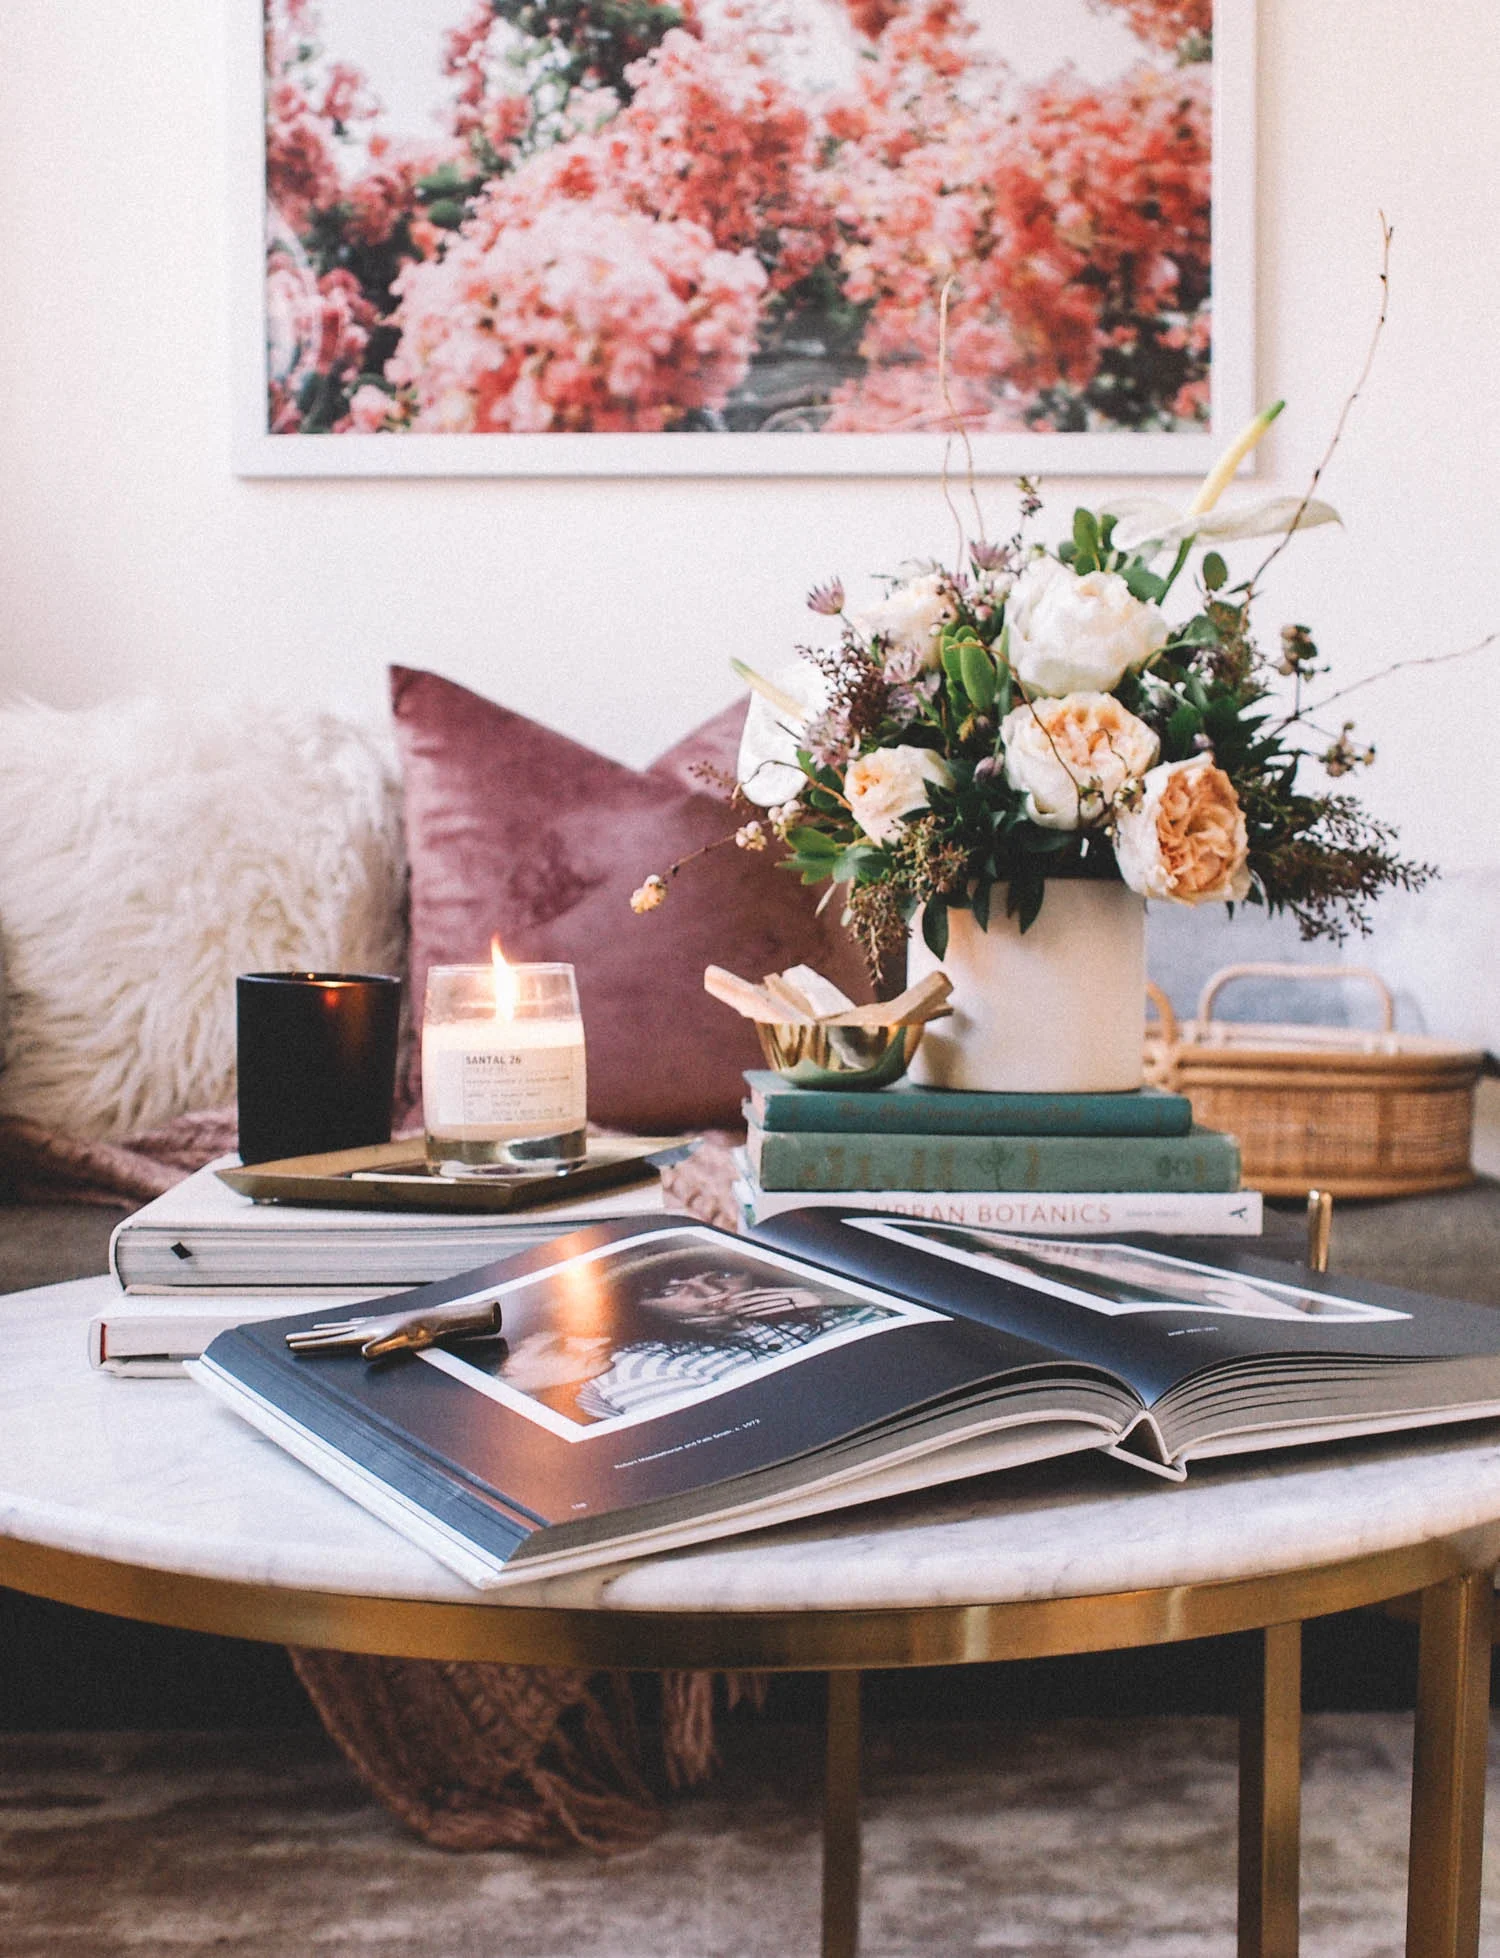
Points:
(258, 453)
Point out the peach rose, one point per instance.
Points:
(889, 784)
(1185, 838)
(1071, 757)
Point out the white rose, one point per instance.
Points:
(1185, 839)
(890, 783)
(1078, 635)
(910, 617)
(767, 768)
(1070, 758)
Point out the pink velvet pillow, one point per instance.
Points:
(514, 829)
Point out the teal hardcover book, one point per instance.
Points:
(1202, 1159)
(906, 1109)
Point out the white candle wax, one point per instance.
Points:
(499, 1079)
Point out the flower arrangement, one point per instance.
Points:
(1040, 714)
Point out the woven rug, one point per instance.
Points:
(1075, 1839)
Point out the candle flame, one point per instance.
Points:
(505, 982)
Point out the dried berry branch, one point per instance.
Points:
(1396, 666)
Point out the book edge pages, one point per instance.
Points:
(759, 1206)
(1010, 1443)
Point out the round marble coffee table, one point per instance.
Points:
(147, 1499)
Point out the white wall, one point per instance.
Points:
(132, 559)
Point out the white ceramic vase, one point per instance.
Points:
(1058, 1009)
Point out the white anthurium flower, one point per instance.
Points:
(1154, 520)
(780, 709)
(1143, 520)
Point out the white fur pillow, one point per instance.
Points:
(149, 851)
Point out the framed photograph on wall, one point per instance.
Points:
(746, 237)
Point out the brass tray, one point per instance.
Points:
(396, 1176)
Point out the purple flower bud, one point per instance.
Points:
(990, 557)
(827, 599)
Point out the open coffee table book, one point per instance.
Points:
(657, 1382)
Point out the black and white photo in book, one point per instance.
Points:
(1116, 1279)
(650, 1327)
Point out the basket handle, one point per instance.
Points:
(1164, 1012)
(1271, 969)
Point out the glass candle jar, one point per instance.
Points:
(504, 1088)
(316, 1058)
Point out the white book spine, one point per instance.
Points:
(1034, 1213)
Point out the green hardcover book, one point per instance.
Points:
(909, 1110)
(1203, 1159)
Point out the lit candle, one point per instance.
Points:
(504, 1085)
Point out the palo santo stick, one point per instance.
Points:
(751, 1001)
(924, 1001)
(799, 1009)
(823, 997)
(781, 1001)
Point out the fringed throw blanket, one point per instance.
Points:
(469, 1756)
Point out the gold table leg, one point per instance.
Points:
(1447, 1792)
(841, 1819)
(1271, 1797)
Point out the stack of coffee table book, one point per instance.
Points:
(203, 1257)
(1060, 1165)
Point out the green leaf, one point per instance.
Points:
(1024, 898)
(980, 679)
(1143, 583)
(1067, 552)
(1030, 906)
(1215, 572)
(1086, 533)
(850, 862)
(935, 928)
(979, 903)
(1200, 631)
(812, 843)
(441, 182)
(953, 666)
(1185, 723)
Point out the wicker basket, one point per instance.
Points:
(1358, 1114)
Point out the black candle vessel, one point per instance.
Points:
(317, 1061)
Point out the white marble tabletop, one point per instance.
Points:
(155, 1473)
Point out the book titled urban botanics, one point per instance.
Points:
(659, 1383)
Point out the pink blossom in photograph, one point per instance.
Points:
(580, 319)
(740, 217)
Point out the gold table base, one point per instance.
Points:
(1454, 1576)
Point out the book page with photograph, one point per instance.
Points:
(1119, 1278)
(638, 1329)
(1154, 1314)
